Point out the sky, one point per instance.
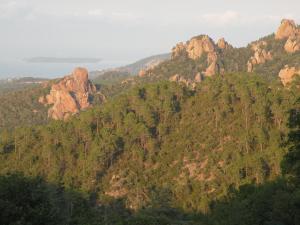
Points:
(122, 31)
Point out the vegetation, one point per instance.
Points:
(161, 153)
(271, 68)
(19, 84)
(21, 107)
(110, 77)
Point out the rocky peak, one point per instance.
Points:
(286, 29)
(222, 44)
(287, 74)
(197, 47)
(260, 55)
(289, 30)
(69, 95)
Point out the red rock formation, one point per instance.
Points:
(69, 95)
(260, 55)
(179, 79)
(286, 29)
(222, 44)
(198, 47)
(198, 78)
(142, 73)
(179, 50)
(287, 74)
(292, 44)
(289, 30)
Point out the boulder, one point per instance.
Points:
(292, 44)
(142, 73)
(180, 79)
(287, 74)
(198, 78)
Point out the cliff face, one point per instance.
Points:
(69, 96)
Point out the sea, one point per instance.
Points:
(20, 68)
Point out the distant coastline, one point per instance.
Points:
(11, 68)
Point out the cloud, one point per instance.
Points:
(95, 12)
(110, 16)
(16, 9)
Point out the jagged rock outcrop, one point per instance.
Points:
(287, 74)
(289, 30)
(292, 44)
(260, 55)
(198, 47)
(69, 95)
(179, 50)
(286, 29)
(222, 44)
(180, 79)
(213, 67)
(187, 82)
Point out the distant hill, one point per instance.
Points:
(117, 74)
(145, 63)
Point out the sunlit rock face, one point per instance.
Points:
(260, 55)
(292, 44)
(70, 95)
(287, 74)
(222, 44)
(288, 30)
(201, 46)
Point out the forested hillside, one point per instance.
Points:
(21, 107)
(163, 153)
(209, 137)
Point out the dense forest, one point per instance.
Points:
(226, 152)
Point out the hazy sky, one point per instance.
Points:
(121, 31)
